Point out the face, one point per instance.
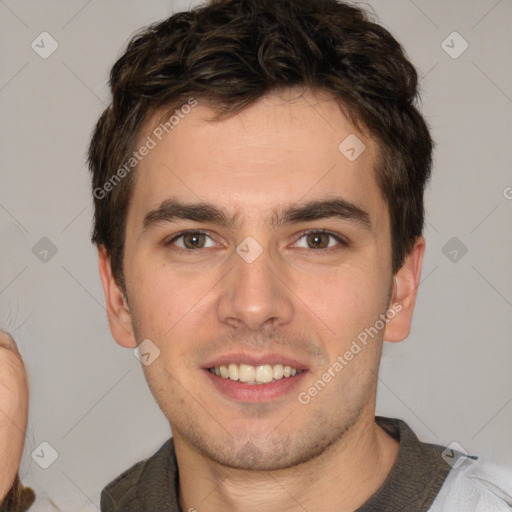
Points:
(286, 261)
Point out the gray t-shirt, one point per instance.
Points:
(412, 484)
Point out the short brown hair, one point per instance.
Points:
(231, 53)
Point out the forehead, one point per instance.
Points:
(284, 148)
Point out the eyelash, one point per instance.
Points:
(342, 241)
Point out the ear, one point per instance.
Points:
(405, 288)
(118, 312)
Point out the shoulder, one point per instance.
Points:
(122, 490)
(129, 490)
(475, 485)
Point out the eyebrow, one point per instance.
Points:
(173, 209)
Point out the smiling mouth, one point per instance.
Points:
(249, 374)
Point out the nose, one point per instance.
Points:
(255, 294)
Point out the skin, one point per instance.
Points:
(295, 299)
(13, 411)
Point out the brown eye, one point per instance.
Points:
(193, 240)
(320, 240)
(190, 240)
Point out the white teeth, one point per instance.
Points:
(246, 373)
(278, 371)
(233, 371)
(264, 373)
(249, 374)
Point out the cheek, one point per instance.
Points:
(170, 309)
(163, 298)
(345, 299)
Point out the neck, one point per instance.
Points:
(342, 478)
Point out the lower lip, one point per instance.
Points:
(255, 392)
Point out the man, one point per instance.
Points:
(258, 184)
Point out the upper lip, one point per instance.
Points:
(255, 360)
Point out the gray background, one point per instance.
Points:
(451, 380)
